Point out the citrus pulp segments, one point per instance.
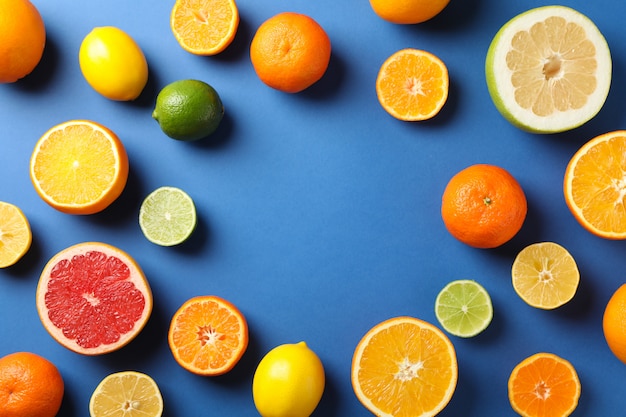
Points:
(15, 234)
(208, 335)
(93, 298)
(464, 308)
(128, 394)
(544, 385)
(167, 216)
(412, 85)
(503, 91)
(396, 370)
(545, 275)
(595, 183)
(68, 171)
(204, 27)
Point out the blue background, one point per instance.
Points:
(318, 212)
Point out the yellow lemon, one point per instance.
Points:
(113, 63)
(288, 382)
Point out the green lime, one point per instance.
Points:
(464, 308)
(167, 216)
(188, 110)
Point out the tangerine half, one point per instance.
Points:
(208, 335)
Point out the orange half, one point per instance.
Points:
(412, 85)
(79, 167)
(204, 27)
(595, 185)
(404, 367)
(208, 335)
(544, 385)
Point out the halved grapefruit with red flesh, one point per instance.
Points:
(93, 298)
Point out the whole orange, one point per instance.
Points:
(483, 206)
(22, 39)
(30, 385)
(290, 52)
(614, 323)
(408, 11)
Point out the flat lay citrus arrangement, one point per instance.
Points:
(400, 208)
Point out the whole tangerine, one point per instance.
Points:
(614, 323)
(22, 39)
(483, 206)
(30, 385)
(290, 52)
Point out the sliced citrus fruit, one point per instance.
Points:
(204, 27)
(167, 216)
(463, 308)
(93, 298)
(404, 366)
(545, 275)
(15, 234)
(79, 167)
(549, 69)
(544, 385)
(412, 85)
(595, 185)
(128, 394)
(208, 335)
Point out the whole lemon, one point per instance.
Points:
(288, 382)
(408, 11)
(113, 64)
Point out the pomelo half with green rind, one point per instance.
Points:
(549, 69)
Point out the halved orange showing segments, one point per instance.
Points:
(79, 167)
(204, 27)
(93, 298)
(208, 335)
(412, 85)
(404, 366)
(595, 185)
(544, 385)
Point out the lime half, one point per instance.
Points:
(464, 308)
(167, 216)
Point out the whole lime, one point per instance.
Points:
(188, 110)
